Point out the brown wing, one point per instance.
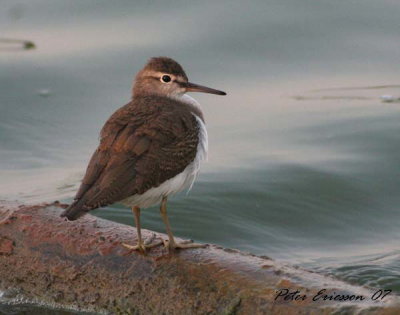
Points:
(140, 147)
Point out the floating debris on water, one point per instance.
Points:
(29, 45)
(26, 44)
(390, 99)
(374, 87)
(327, 97)
(44, 92)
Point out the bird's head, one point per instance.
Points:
(164, 76)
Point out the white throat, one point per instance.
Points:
(188, 100)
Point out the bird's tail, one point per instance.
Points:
(74, 211)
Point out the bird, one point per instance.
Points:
(149, 149)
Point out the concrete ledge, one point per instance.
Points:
(82, 265)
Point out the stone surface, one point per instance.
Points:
(82, 264)
(6, 246)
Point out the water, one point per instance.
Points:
(304, 155)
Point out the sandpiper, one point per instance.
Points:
(149, 149)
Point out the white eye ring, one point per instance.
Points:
(165, 78)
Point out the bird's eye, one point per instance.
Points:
(166, 78)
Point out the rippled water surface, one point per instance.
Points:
(304, 154)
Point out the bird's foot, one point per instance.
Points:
(143, 246)
(181, 245)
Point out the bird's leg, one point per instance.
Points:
(170, 243)
(140, 245)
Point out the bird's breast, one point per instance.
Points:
(183, 180)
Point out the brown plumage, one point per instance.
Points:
(141, 146)
(149, 148)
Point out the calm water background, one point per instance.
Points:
(304, 156)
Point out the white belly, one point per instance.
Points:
(175, 184)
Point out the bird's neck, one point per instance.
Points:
(194, 105)
(189, 101)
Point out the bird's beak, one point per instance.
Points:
(192, 87)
